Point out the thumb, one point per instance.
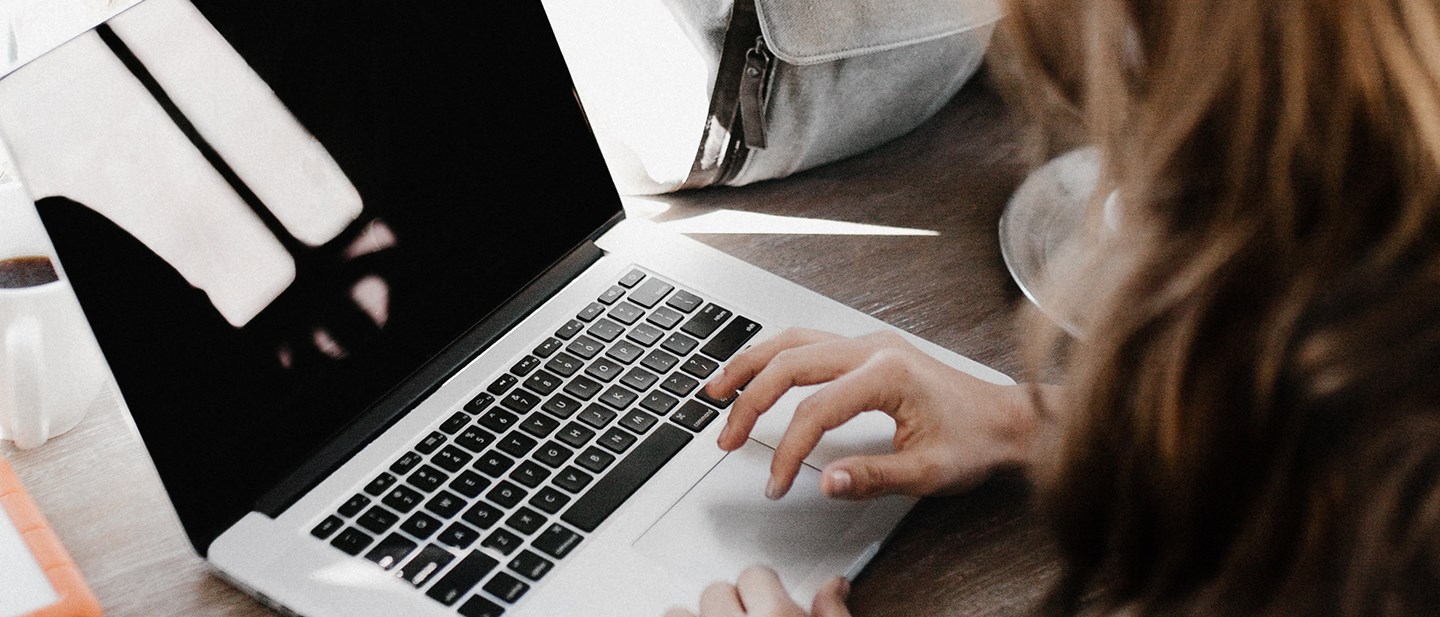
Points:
(861, 477)
(830, 600)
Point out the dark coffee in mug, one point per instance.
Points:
(20, 272)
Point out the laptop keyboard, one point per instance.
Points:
(484, 505)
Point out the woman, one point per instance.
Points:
(1251, 421)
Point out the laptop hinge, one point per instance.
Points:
(391, 407)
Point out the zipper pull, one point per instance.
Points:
(754, 91)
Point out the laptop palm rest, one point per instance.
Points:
(725, 523)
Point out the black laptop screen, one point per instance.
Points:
(456, 125)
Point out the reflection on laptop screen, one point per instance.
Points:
(474, 171)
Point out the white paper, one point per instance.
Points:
(30, 28)
(26, 587)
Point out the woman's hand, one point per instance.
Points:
(952, 430)
(758, 593)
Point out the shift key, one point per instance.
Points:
(731, 338)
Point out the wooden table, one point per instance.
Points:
(982, 553)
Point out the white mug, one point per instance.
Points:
(51, 370)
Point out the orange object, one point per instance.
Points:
(76, 599)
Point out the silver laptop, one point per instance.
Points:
(482, 394)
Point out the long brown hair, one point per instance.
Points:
(1253, 408)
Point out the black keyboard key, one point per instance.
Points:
(679, 344)
(589, 313)
(660, 361)
(517, 444)
(520, 401)
(553, 454)
(406, 462)
(541, 426)
(575, 435)
(480, 402)
(597, 416)
(459, 535)
(684, 301)
(530, 474)
(420, 525)
(474, 438)
(530, 565)
(606, 330)
(543, 382)
(572, 479)
(466, 574)
(498, 420)
(427, 478)
(611, 295)
(595, 459)
(494, 463)
(707, 321)
(503, 541)
(506, 495)
(569, 330)
(525, 521)
(625, 478)
(482, 515)
(624, 352)
(423, 567)
(506, 587)
(679, 384)
(603, 370)
(377, 520)
(640, 379)
(650, 293)
(502, 385)
(561, 406)
(731, 339)
(454, 423)
(557, 541)
(618, 397)
(354, 505)
(352, 541)
(631, 278)
(480, 607)
(583, 388)
(694, 416)
(645, 334)
(639, 421)
(403, 498)
(659, 402)
(525, 366)
(451, 458)
(549, 500)
(390, 551)
(717, 403)
(626, 313)
(380, 484)
(446, 504)
(700, 366)
(585, 347)
(564, 364)
(665, 317)
(431, 443)
(616, 440)
(327, 527)
(550, 346)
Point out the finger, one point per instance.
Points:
(798, 366)
(863, 477)
(830, 599)
(745, 365)
(720, 600)
(864, 389)
(762, 593)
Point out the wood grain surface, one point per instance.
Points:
(981, 553)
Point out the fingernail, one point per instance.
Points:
(840, 482)
(772, 490)
(844, 587)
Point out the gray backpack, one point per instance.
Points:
(693, 93)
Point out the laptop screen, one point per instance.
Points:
(454, 166)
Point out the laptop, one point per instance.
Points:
(479, 393)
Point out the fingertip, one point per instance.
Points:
(837, 483)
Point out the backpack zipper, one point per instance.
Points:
(736, 122)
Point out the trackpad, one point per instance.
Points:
(725, 523)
